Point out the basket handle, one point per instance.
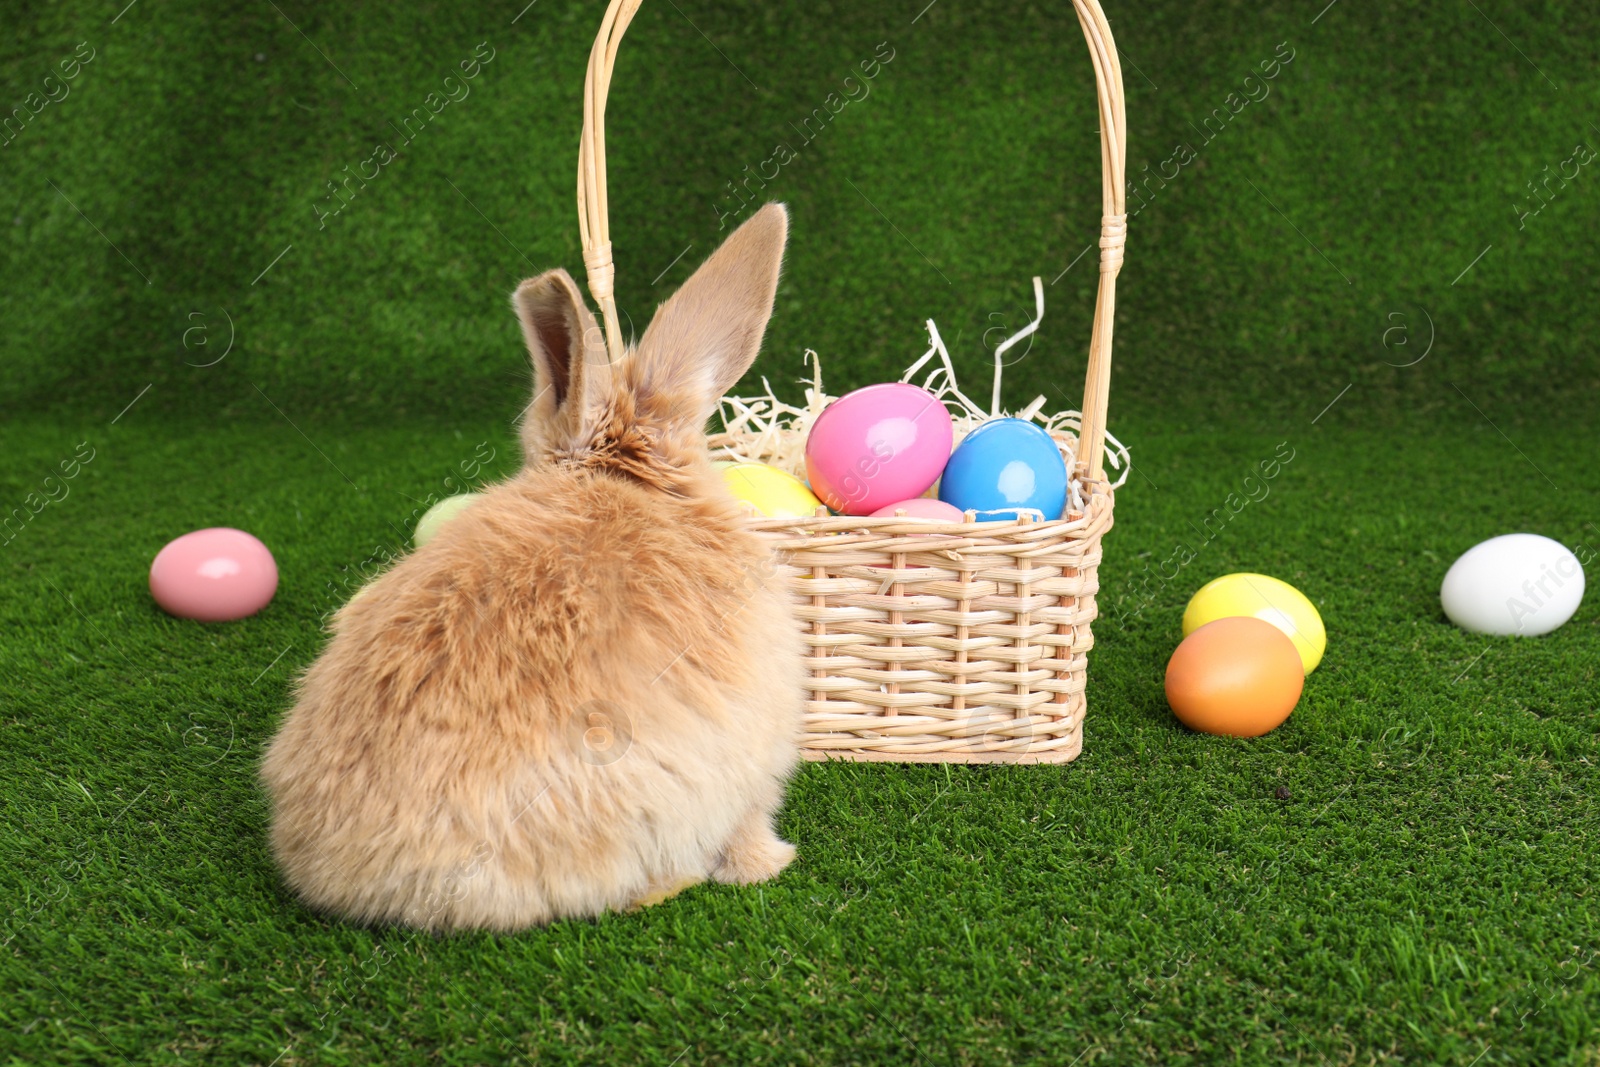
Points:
(595, 227)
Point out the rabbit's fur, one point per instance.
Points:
(585, 692)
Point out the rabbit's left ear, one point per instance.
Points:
(705, 337)
(564, 341)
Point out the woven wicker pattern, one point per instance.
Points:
(931, 642)
(935, 642)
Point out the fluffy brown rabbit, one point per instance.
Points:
(584, 693)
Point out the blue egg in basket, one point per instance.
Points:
(1004, 468)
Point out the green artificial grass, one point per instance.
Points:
(1422, 892)
(1402, 873)
(1397, 146)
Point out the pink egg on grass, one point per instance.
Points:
(876, 446)
(922, 508)
(214, 575)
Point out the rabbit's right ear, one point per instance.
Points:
(707, 334)
(564, 341)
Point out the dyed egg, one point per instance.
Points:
(922, 508)
(1518, 583)
(214, 575)
(877, 445)
(435, 517)
(1237, 677)
(1264, 598)
(774, 493)
(1004, 467)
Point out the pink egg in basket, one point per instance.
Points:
(214, 575)
(877, 446)
(919, 509)
(922, 508)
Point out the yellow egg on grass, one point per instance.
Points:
(1263, 597)
(774, 493)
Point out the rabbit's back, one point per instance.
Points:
(574, 693)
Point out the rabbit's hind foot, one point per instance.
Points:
(754, 853)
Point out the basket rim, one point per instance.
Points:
(872, 532)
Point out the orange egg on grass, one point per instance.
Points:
(1237, 677)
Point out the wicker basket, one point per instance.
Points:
(928, 641)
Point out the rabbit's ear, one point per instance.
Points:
(563, 341)
(705, 337)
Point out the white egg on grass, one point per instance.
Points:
(1518, 583)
